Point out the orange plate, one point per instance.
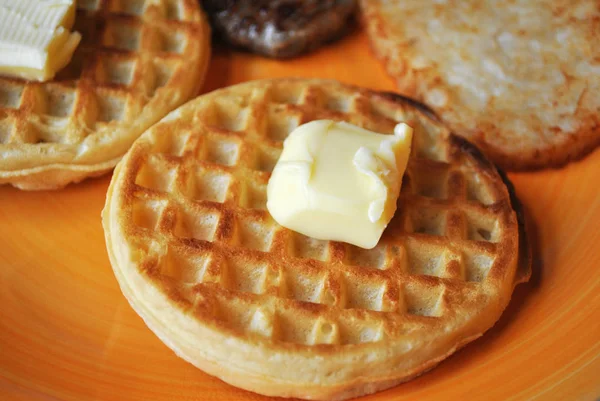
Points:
(67, 333)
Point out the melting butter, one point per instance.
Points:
(336, 181)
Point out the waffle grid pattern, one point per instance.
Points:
(200, 196)
(129, 51)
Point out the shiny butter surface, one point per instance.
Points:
(337, 181)
(35, 41)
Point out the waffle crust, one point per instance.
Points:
(138, 60)
(266, 309)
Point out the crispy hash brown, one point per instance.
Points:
(521, 80)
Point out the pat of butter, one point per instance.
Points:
(336, 181)
(35, 37)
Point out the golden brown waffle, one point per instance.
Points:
(521, 81)
(137, 61)
(200, 259)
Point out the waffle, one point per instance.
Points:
(137, 61)
(521, 81)
(202, 262)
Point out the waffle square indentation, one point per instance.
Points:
(130, 7)
(174, 11)
(425, 143)
(309, 248)
(172, 41)
(338, 103)
(173, 144)
(428, 221)
(373, 258)
(286, 95)
(6, 127)
(89, 5)
(200, 226)
(254, 235)
(364, 294)
(432, 184)
(59, 101)
(304, 287)
(247, 276)
(254, 196)
(156, 175)
(477, 267)
(210, 186)
(10, 96)
(424, 260)
(481, 228)
(266, 159)
(146, 214)
(222, 151)
(74, 69)
(186, 268)
(477, 190)
(110, 107)
(422, 300)
(280, 124)
(116, 71)
(227, 116)
(122, 36)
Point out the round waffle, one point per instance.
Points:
(137, 61)
(521, 81)
(264, 308)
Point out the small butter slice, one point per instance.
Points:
(336, 181)
(35, 37)
(44, 13)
